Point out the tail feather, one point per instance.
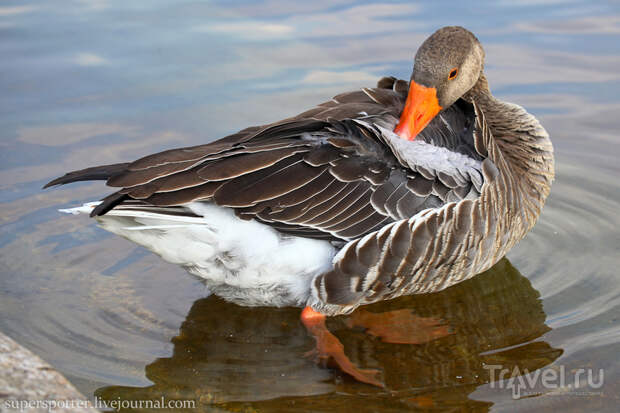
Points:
(96, 173)
(108, 203)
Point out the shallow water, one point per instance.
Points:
(96, 82)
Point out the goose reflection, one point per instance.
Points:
(249, 358)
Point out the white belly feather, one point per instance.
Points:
(245, 262)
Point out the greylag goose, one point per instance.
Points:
(404, 188)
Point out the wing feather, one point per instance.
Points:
(328, 173)
(232, 167)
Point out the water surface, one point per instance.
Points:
(96, 82)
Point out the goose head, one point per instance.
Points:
(447, 65)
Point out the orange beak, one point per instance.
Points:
(420, 108)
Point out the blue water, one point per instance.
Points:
(95, 82)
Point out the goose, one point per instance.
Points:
(408, 187)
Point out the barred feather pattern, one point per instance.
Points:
(440, 247)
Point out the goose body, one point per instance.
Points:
(357, 200)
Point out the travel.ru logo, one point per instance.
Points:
(553, 379)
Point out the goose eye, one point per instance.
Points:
(453, 73)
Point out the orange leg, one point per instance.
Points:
(399, 326)
(328, 347)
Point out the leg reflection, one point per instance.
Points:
(330, 349)
(399, 326)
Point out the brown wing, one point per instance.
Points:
(325, 173)
(330, 181)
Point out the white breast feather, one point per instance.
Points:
(434, 159)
